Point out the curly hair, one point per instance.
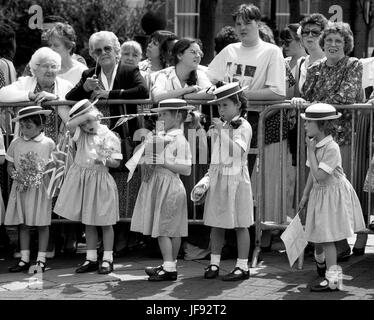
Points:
(290, 32)
(327, 126)
(315, 18)
(161, 37)
(105, 35)
(344, 30)
(265, 32)
(247, 12)
(224, 37)
(65, 33)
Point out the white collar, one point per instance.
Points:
(104, 80)
(38, 138)
(324, 141)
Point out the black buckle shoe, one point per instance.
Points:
(106, 270)
(40, 265)
(210, 273)
(322, 287)
(232, 276)
(89, 267)
(163, 275)
(20, 268)
(152, 271)
(321, 268)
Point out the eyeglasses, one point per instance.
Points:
(196, 52)
(315, 33)
(53, 67)
(336, 42)
(106, 49)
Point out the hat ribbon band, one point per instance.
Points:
(81, 108)
(320, 114)
(172, 105)
(23, 113)
(227, 92)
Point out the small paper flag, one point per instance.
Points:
(294, 239)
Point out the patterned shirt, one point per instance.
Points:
(338, 84)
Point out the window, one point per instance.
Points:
(283, 12)
(186, 18)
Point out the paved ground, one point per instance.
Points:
(272, 279)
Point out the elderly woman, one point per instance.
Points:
(184, 78)
(62, 38)
(109, 79)
(336, 80)
(131, 53)
(43, 85)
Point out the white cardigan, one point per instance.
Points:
(19, 90)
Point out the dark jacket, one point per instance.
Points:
(128, 84)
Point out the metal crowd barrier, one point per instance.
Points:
(282, 219)
(143, 106)
(264, 109)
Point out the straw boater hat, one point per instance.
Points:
(30, 111)
(226, 91)
(172, 104)
(320, 111)
(81, 107)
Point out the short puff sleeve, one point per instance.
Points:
(330, 159)
(242, 136)
(183, 152)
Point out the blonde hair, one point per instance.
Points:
(131, 44)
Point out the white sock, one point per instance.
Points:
(25, 255)
(108, 255)
(41, 256)
(215, 259)
(170, 266)
(242, 264)
(91, 255)
(320, 258)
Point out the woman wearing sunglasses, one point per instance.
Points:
(310, 32)
(108, 79)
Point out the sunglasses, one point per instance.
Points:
(315, 33)
(99, 51)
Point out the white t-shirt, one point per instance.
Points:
(258, 67)
(74, 74)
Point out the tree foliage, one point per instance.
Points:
(86, 17)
